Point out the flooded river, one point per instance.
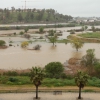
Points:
(17, 58)
(49, 96)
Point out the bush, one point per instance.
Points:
(13, 79)
(54, 70)
(24, 44)
(21, 33)
(11, 73)
(72, 32)
(10, 45)
(2, 42)
(41, 29)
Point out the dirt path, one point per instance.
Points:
(31, 88)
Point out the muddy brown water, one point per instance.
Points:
(49, 96)
(18, 58)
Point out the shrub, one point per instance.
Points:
(24, 44)
(72, 32)
(11, 73)
(2, 42)
(10, 45)
(54, 69)
(41, 29)
(13, 79)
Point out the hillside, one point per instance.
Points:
(31, 16)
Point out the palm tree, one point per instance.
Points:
(76, 43)
(81, 79)
(37, 75)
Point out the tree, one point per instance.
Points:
(24, 44)
(89, 60)
(54, 69)
(93, 28)
(26, 29)
(76, 43)
(41, 29)
(37, 75)
(81, 79)
(53, 38)
(51, 32)
(20, 17)
(2, 42)
(21, 33)
(85, 27)
(97, 69)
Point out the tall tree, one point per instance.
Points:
(20, 17)
(81, 79)
(76, 43)
(53, 37)
(37, 75)
(26, 29)
(89, 60)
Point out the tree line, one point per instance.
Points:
(31, 16)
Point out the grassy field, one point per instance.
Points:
(47, 82)
(90, 35)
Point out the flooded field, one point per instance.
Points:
(49, 96)
(16, 57)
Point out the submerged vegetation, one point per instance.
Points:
(91, 35)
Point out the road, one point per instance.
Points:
(49, 96)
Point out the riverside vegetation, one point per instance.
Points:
(52, 79)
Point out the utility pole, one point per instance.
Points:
(55, 20)
(26, 3)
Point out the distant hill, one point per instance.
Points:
(31, 16)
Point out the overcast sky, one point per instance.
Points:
(83, 8)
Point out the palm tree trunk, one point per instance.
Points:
(36, 92)
(79, 93)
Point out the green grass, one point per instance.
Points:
(90, 35)
(47, 82)
(58, 82)
(62, 41)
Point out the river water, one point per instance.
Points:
(17, 58)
